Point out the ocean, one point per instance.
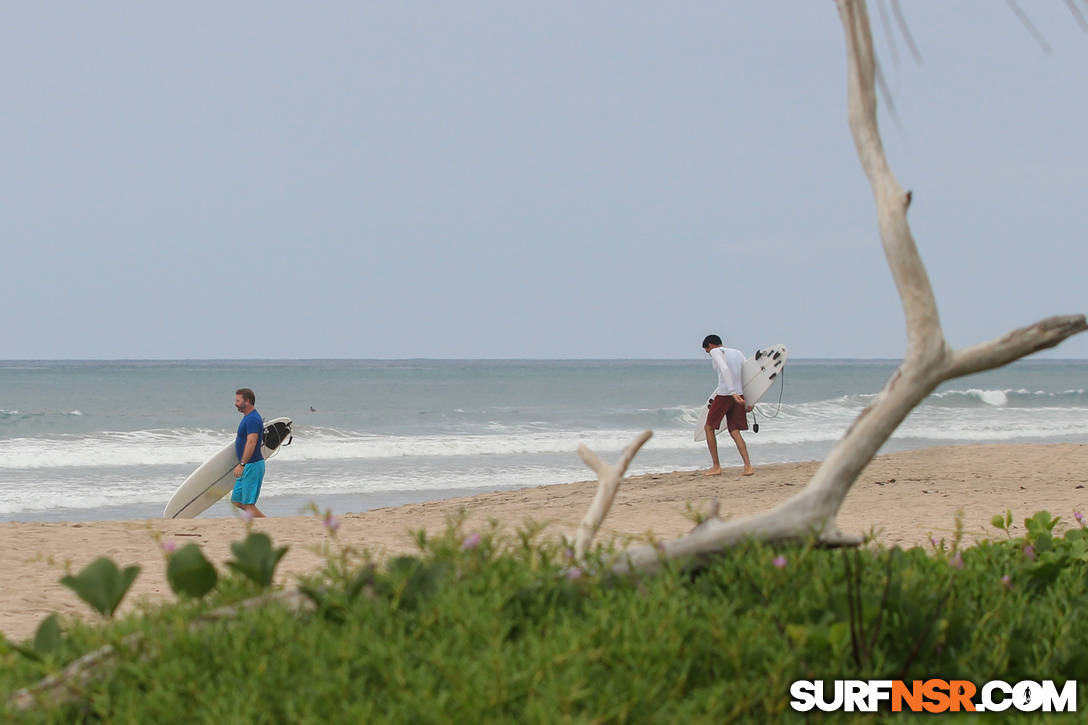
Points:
(94, 440)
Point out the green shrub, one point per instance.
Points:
(256, 559)
(102, 585)
(481, 629)
(190, 573)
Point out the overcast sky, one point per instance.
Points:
(561, 179)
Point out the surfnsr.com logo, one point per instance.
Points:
(933, 695)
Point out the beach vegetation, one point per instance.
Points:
(483, 627)
(256, 559)
(46, 640)
(102, 584)
(190, 573)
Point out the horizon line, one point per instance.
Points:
(471, 359)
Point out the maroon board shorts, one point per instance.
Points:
(723, 406)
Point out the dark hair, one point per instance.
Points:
(247, 394)
(711, 340)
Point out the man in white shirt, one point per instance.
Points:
(728, 403)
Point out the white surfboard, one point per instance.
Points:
(758, 374)
(214, 479)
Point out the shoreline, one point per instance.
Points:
(903, 497)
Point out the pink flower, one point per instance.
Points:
(331, 523)
(1079, 517)
(247, 516)
(1029, 552)
(779, 562)
(169, 547)
(957, 561)
(1006, 581)
(470, 542)
(574, 573)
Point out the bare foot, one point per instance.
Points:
(713, 472)
(749, 472)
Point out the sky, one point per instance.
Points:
(488, 179)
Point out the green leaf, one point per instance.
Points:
(102, 585)
(256, 559)
(190, 573)
(998, 522)
(46, 640)
(1041, 523)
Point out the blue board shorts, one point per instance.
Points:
(248, 487)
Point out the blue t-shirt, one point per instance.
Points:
(251, 423)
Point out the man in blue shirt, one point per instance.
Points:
(249, 473)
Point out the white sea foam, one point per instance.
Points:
(1007, 396)
(150, 448)
(825, 421)
(139, 448)
(997, 398)
(72, 500)
(814, 422)
(330, 444)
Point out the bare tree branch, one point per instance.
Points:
(609, 477)
(928, 361)
(888, 33)
(887, 92)
(920, 306)
(1026, 22)
(905, 29)
(1077, 14)
(1015, 345)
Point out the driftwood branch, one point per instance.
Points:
(1015, 345)
(68, 684)
(609, 477)
(928, 361)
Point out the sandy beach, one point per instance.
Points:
(903, 497)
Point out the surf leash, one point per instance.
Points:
(781, 390)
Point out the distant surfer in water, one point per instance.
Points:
(728, 403)
(249, 473)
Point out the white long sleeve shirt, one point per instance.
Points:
(728, 364)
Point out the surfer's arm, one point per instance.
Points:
(251, 445)
(724, 375)
(247, 452)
